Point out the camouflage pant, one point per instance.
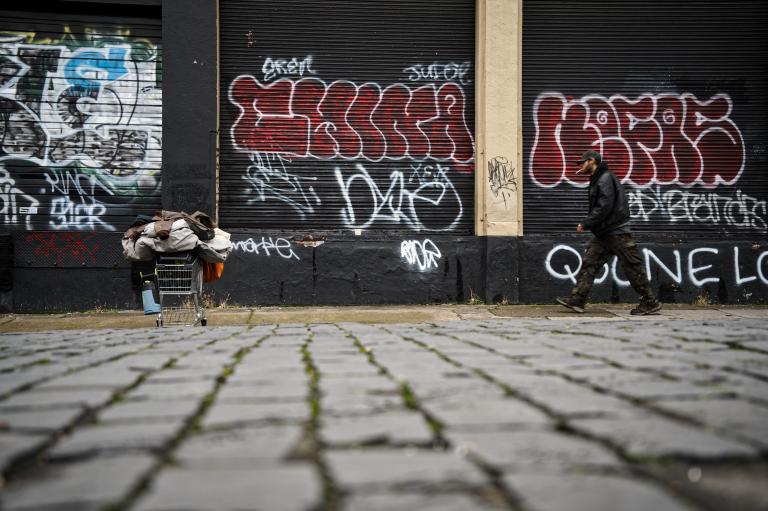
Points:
(599, 252)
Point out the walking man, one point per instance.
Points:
(608, 219)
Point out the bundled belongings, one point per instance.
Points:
(170, 231)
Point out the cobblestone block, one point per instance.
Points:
(394, 426)
(746, 419)
(226, 414)
(56, 398)
(161, 390)
(39, 420)
(542, 451)
(90, 440)
(402, 468)
(239, 447)
(581, 492)
(149, 410)
(83, 486)
(97, 377)
(570, 399)
(272, 390)
(655, 436)
(420, 501)
(16, 445)
(279, 488)
(718, 380)
(490, 411)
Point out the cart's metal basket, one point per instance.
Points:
(179, 273)
(180, 287)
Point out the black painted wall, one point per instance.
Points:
(683, 270)
(189, 106)
(70, 271)
(66, 271)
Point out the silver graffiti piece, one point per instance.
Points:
(86, 115)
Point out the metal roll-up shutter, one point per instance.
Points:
(672, 93)
(80, 115)
(339, 115)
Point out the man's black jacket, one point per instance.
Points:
(608, 204)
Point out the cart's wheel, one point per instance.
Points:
(204, 322)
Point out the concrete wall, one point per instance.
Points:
(498, 93)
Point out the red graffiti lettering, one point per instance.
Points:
(309, 118)
(655, 139)
(64, 245)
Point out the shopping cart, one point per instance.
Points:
(180, 289)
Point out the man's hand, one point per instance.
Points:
(579, 228)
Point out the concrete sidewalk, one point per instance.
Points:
(373, 314)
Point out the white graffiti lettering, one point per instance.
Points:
(437, 72)
(273, 68)
(10, 200)
(739, 210)
(281, 246)
(677, 277)
(424, 255)
(404, 200)
(693, 270)
(269, 178)
(569, 263)
(69, 215)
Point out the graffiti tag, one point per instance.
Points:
(423, 255)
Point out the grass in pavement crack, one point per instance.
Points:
(30, 459)
(73, 370)
(560, 423)
(190, 426)
(311, 446)
(29, 385)
(409, 398)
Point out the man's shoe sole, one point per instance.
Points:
(574, 308)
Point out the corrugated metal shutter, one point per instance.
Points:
(673, 93)
(345, 114)
(80, 116)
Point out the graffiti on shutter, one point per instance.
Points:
(80, 128)
(660, 145)
(289, 116)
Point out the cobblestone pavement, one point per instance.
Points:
(480, 414)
